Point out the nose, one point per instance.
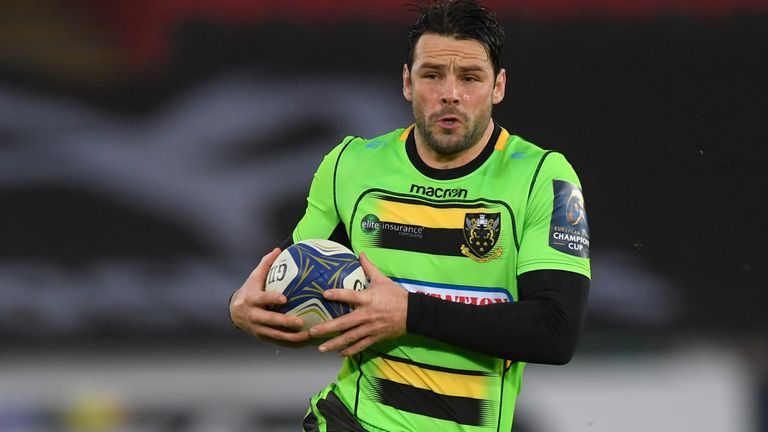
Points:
(450, 92)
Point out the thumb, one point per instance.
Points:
(370, 270)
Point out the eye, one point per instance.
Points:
(470, 78)
(431, 75)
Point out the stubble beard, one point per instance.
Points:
(453, 142)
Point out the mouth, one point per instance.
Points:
(449, 121)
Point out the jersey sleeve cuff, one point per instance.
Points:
(421, 314)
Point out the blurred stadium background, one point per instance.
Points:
(151, 152)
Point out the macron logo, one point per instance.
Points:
(438, 192)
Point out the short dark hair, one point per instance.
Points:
(460, 19)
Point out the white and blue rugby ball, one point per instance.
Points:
(307, 268)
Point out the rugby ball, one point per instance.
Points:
(307, 268)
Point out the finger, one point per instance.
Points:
(336, 325)
(280, 335)
(341, 341)
(265, 298)
(344, 295)
(275, 319)
(358, 346)
(259, 274)
(370, 270)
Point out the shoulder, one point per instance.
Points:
(520, 149)
(518, 155)
(357, 148)
(356, 152)
(355, 142)
(541, 160)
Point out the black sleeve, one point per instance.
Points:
(543, 326)
(287, 242)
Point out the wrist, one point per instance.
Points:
(413, 312)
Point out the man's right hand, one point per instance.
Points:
(249, 311)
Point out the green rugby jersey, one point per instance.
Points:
(463, 235)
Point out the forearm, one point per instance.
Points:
(542, 327)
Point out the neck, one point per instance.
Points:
(442, 161)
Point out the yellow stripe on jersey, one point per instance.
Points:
(426, 216)
(444, 383)
(501, 143)
(404, 135)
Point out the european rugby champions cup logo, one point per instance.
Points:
(481, 231)
(574, 210)
(569, 230)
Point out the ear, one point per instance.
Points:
(500, 86)
(407, 88)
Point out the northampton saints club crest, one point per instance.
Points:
(481, 231)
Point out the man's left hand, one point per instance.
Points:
(379, 313)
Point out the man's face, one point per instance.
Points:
(452, 88)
